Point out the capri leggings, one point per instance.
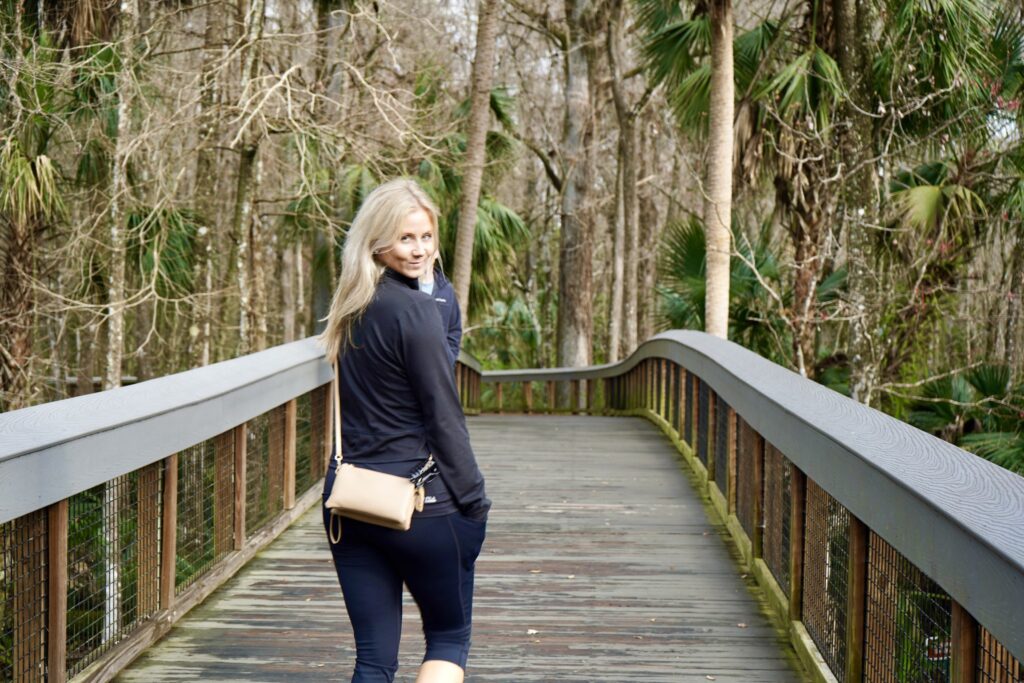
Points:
(435, 559)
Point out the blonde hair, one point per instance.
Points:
(377, 226)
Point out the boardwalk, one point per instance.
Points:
(600, 565)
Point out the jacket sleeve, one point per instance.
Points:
(454, 330)
(432, 382)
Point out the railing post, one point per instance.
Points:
(964, 646)
(458, 383)
(240, 448)
(551, 396)
(856, 600)
(681, 404)
(497, 395)
(57, 592)
(798, 506)
(290, 424)
(528, 396)
(732, 459)
(591, 406)
(169, 535)
(574, 396)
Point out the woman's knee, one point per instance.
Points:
(451, 645)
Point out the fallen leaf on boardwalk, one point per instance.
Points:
(571, 576)
(535, 571)
(741, 625)
(710, 678)
(532, 631)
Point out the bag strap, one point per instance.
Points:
(336, 386)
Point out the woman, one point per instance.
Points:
(399, 405)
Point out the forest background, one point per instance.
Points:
(176, 179)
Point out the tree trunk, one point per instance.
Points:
(207, 176)
(860, 210)
(718, 200)
(248, 177)
(574, 279)
(626, 240)
(288, 293)
(476, 138)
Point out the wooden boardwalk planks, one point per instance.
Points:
(600, 565)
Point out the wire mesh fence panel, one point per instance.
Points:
(305, 472)
(776, 514)
(826, 555)
(23, 572)
(112, 576)
(748, 450)
(907, 636)
(721, 450)
(321, 432)
(206, 517)
(264, 469)
(995, 663)
(688, 417)
(702, 421)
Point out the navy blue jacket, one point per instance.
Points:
(448, 305)
(399, 402)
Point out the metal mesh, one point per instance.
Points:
(309, 445)
(826, 554)
(112, 575)
(722, 445)
(321, 432)
(776, 515)
(673, 393)
(702, 421)
(264, 469)
(995, 663)
(749, 449)
(659, 385)
(206, 510)
(23, 556)
(908, 621)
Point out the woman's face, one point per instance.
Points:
(411, 253)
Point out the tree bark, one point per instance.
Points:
(248, 176)
(476, 150)
(206, 187)
(119, 194)
(718, 199)
(623, 317)
(575, 321)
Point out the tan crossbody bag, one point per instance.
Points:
(375, 497)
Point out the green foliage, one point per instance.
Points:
(162, 245)
(753, 320)
(978, 410)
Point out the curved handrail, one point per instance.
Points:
(955, 515)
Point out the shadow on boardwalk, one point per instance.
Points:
(600, 565)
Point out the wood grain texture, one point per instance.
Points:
(57, 592)
(600, 565)
(932, 501)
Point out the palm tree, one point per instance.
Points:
(978, 410)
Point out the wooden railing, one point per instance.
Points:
(120, 511)
(889, 554)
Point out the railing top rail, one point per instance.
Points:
(51, 451)
(956, 516)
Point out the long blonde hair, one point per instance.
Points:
(377, 226)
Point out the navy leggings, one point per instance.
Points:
(434, 558)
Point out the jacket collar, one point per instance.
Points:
(410, 282)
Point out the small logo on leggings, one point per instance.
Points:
(430, 499)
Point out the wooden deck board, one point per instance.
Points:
(600, 565)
